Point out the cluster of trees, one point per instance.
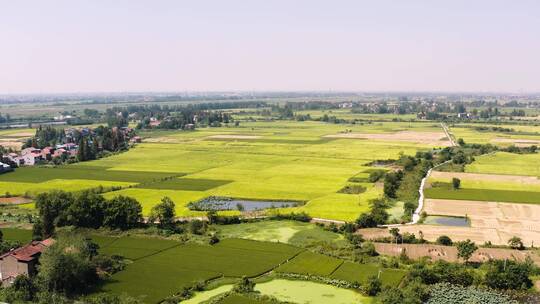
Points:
(101, 139)
(424, 280)
(92, 142)
(48, 136)
(5, 118)
(85, 209)
(376, 216)
(174, 116)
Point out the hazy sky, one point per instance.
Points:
(153, 45)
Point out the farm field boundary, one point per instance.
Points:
(509, 196)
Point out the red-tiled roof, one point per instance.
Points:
(30, 251)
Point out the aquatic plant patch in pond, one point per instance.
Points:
(305, 292)
(206, 295)
(456, 221)
(227, 203)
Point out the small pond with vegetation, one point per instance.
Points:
(447, 221)
(301, 292)
(227, 203)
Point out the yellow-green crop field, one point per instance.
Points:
(279, 160)
(521, 132)
(506, 163)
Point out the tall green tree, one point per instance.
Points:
(466, 249)
(51, 207)
(66, 266)
(86, 210)
(122, 212)
(163, 213)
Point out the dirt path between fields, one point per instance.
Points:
(436, 139)
(448, 135)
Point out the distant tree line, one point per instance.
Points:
(5, 118)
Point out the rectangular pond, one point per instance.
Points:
(225, 203)
(447, 221)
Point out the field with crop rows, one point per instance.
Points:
(281, 160)
(311, 264)
(520, 135)
(161, 268)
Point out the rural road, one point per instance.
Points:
(447, 132)
(416, 214)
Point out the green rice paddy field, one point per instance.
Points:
(161, 268)
(283, 160)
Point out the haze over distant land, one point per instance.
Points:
(119, 46)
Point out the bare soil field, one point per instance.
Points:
(516, 141)
(233, 136)
(163, 140)
(14, 200)
(428, 138)
(449, 253)
(432, 232)
(490, 221)
(21, 134)
(9, 143)
(522, 179)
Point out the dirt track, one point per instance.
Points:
(14, 200)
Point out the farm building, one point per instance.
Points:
(31, 156)
(21, 261)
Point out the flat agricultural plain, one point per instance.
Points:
(274, 160)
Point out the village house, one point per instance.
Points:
(47, 152)
(59, 152)
(31, 156)
(21, 261)
(154, 122)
